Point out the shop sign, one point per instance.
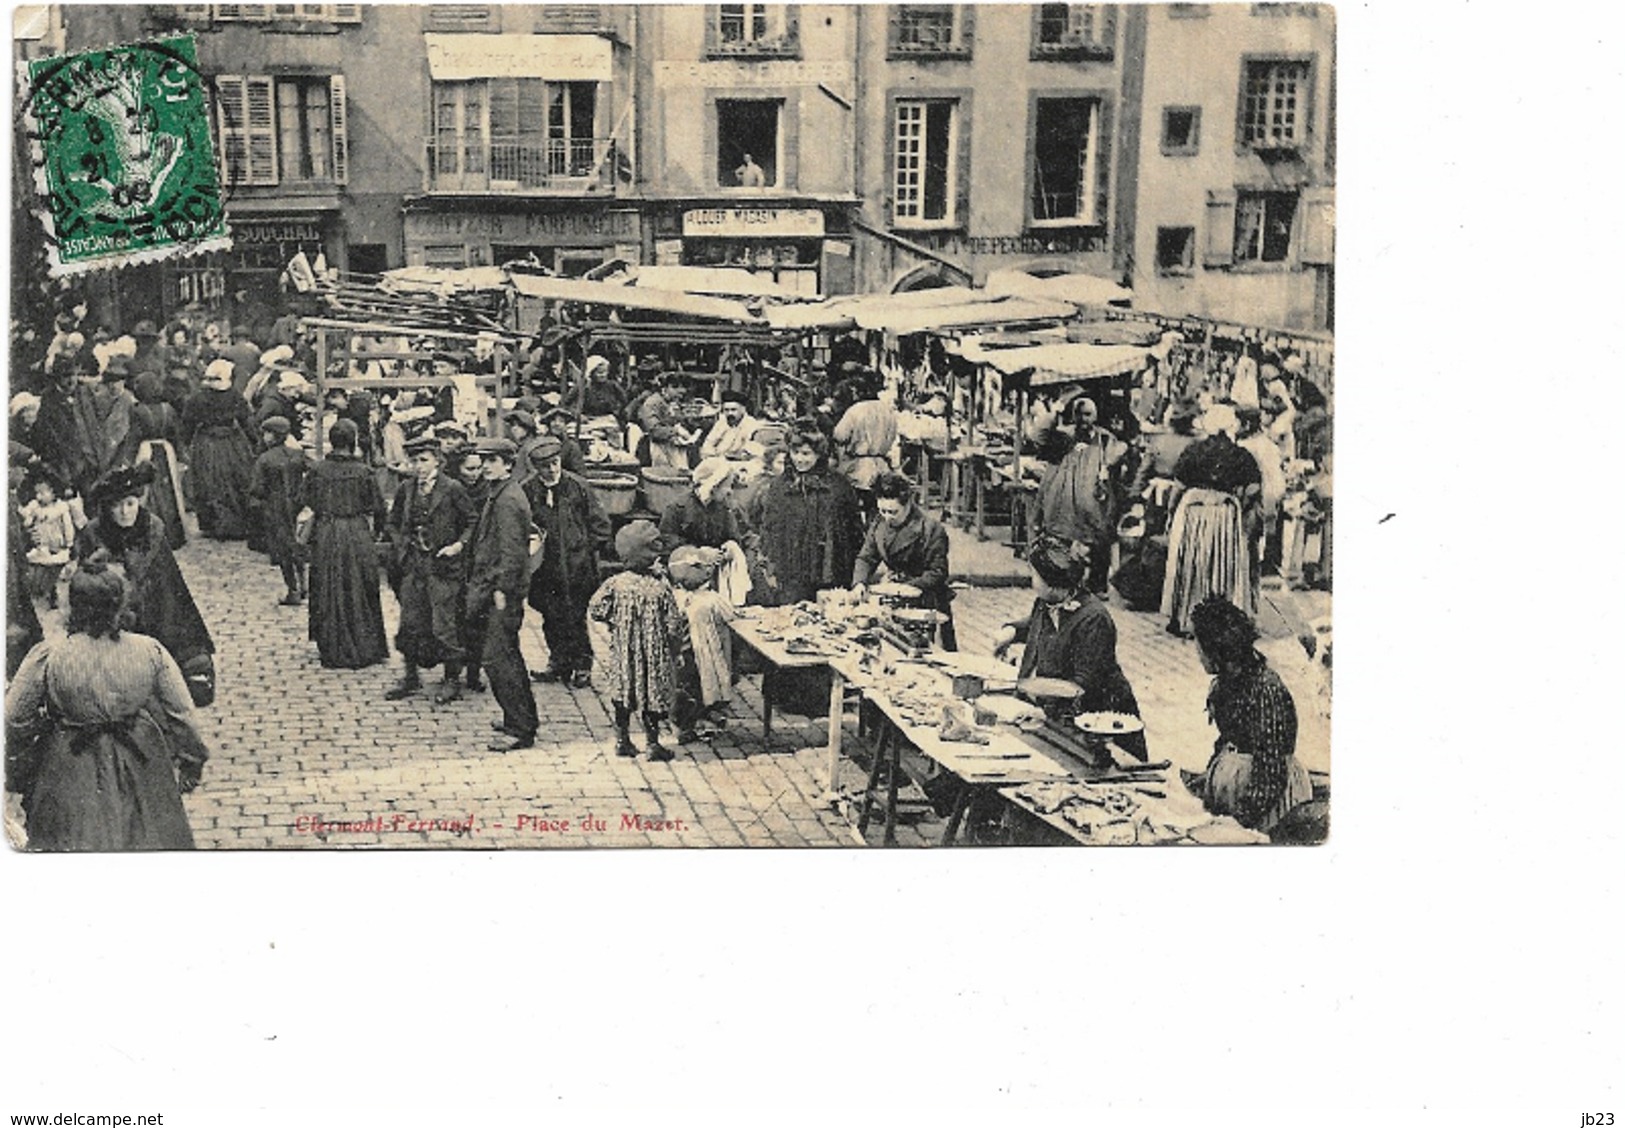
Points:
(596, 229)
(736, 223)
(272, 232)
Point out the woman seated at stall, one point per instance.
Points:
(1070, 635)
(1254, 774)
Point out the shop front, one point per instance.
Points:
(567, 241)
(807, 250)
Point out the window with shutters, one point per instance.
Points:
(748, 142)
(1264, 226)
(925, 141)
(1074, 31)
(929, 31)
(462, 17)
(753, 31)
(578, 19)
(285, 13)
(1274, 106)
(1066, 161)
(282, 130)
(514, 133)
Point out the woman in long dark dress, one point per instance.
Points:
(218, 429)
(159, 602)
(1070, 635)
(107, 720)
(346, 616)
(810, 524)
(1254, 773)
(152, 438)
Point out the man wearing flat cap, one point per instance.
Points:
(273, 495)
(559, 422)
(497, 582)
(519, 423)
(430, 526)
(575, 529)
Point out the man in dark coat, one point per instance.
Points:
(912, 547)
(464, 463)
(274, 488)
(66, 435)
(430, 525)
(576, 530)
(497, 582)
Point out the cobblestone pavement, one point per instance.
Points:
(296, 746)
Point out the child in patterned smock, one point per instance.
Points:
(646, 631)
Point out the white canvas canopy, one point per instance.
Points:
(1059, 363)
(1079, 289)
(631, 297)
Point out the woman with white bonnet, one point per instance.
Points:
(1208, 553)
(218, 429)
(271, 362)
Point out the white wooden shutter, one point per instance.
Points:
(341, 136)
(229, 110)
(1219, 248)
(1319, 226)
(260, 124)
(192, 13)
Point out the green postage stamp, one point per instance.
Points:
(124, 166)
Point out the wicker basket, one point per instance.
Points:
(664, 486)
(617, 493)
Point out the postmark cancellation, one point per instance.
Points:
(123, 156)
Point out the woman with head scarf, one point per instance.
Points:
(158, 603)
(1070, 635)
(218, 429)
(809, 522)
(346, 508)
(1254, 774)
(705, 517)
(107, 720)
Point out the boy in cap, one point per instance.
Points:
(497, 580)
(430, 525)
(274, 488)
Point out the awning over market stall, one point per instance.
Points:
(445, 280)
(631, 297)
(1059, 363)
(718, 281)
(878, 314)
(833, 314)
(1079, 289)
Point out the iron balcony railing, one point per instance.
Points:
(574, 164)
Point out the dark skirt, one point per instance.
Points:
(99, 791)
(161, 496)
(346, 615)
(221, 464)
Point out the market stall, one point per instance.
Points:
(1049, 366)
(969, 721)
(349, 344)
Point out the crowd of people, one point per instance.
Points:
(124, 445)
